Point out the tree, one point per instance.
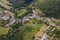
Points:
(49, 7)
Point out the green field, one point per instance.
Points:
(5, 6)
(4, 30)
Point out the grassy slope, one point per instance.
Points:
(4, 30)
(41, 31)
(5, 6)
(28, 35)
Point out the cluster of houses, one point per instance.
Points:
(6, 15)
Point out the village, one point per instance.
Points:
(6, 15)
(22, 12)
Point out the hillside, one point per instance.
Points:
(29, 19)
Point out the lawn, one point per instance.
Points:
(21, 13)
(41, 31)
(32, 26)
(4, 30)
(4, 5)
